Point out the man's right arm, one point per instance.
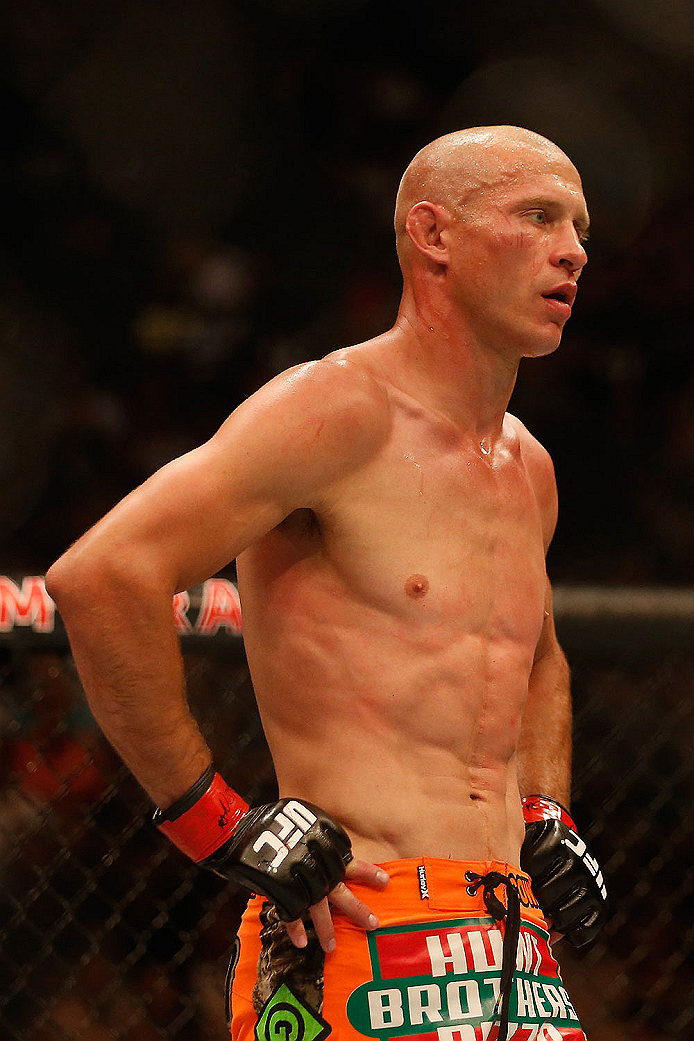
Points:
(281, 450)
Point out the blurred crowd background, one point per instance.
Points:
(196, 195)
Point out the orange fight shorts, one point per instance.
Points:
(436, 969)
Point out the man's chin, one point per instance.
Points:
(543, 344)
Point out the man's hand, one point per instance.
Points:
(344, 901)
(290, 851)
(566, 878)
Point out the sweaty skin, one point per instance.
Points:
(390, 522)
(391, 632)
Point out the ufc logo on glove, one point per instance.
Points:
(292, 822)
(289, 851)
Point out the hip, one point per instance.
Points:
(432, 969)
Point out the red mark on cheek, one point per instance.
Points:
(417, 586)
(512, 239)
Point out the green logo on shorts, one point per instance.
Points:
(286, 1018)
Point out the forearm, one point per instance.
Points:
(566, 877)
(129, 661)
(544, 749)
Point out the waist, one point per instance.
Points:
(393, 810)
(422, 888)
(456, 829)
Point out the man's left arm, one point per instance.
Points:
(544, 749)
(567, 879)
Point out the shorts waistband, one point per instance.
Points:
(428, 885)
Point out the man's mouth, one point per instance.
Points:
(556, 296)
(563, 294)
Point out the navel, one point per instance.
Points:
(417, 586)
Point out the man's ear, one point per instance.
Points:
(425, 224)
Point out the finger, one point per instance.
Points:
(370, 874)
(342, 898)
(323, 922)
(297, 933)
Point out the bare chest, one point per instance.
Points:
(453, 534)
(439, 538)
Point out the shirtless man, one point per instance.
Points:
(390, 522)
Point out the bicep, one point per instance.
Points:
(279, 451)
(547, 642)
(542, 477)
(200, 511)
(189, 519)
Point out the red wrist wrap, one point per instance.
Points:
(208, 823)
(542, 808)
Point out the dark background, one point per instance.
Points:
(197, 195)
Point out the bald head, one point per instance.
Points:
(452, 169)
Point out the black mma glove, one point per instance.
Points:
(566, 878)
(291, 852)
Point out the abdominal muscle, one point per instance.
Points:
(409, 803)
(405, 734)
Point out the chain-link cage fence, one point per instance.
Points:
(108, 932)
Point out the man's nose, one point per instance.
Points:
(570, 253)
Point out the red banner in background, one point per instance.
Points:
(27, 604)
(214, 607)
(211, 607)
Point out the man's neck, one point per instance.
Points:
(450, 370)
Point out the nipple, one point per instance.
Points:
(417, 586)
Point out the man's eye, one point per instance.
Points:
(538, 216)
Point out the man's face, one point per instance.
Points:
(516, 252)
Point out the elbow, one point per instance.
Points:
(95, 571)
(69, 579)
(58, 577)
(85, 574)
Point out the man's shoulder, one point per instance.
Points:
(540, 469)
(338, 375)
(331, 413)
(535, 455)
(334, 391)
(529, 442)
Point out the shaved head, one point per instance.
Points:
(452, 169)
